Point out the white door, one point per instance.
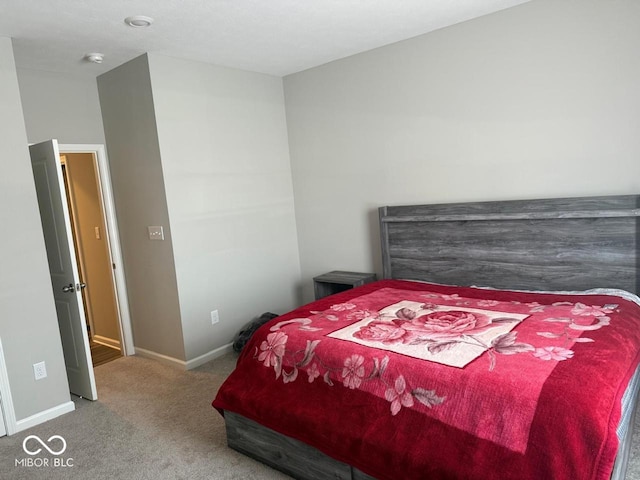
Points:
(56, 224)
(3, 430)
(6, 405)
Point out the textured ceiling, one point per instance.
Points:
(277, 37)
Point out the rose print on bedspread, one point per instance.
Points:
(354, 372)
(451, 335)
(440, 325)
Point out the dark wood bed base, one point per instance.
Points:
(550, 244)
(286, 454)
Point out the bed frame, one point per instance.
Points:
(550, 244)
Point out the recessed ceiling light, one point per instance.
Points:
(138, 21)
(94, 57)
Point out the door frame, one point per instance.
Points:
(8, 411)
(113, 238)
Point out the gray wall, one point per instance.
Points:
(540, 100)
(225, 158)
(201, 150)
(60, 106)
(138, 187)
(28, 322)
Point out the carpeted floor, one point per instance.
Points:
(151, 422)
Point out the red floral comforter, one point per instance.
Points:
(412, 380)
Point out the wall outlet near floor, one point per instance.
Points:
(215, 318)
(39, 370)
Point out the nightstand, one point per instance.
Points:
(338, 281)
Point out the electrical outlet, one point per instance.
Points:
(39, 370)
(155, 232)
(215, 318)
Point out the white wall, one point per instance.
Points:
(28, 321)
(61, 106)
(138, 187)
(540, 100)
(223, 144)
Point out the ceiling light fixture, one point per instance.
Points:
(138, 21)
(94, 57)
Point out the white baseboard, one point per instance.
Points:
(167, 360)
(109, 342)
(188, 365)
(45, 416)
(207, 357)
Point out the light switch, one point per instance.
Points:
(97, 230)
(156, 232)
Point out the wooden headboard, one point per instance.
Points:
(550, 244)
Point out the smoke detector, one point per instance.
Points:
(94, 57)
(138, 21)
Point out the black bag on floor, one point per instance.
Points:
(249, 329)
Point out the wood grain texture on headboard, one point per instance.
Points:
(544, 244)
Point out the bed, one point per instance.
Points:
(502, 343)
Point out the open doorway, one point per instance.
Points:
(68, 288)
(95, 233)
(90, 238)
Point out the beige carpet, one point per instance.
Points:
(152, 422)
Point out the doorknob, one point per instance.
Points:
(68, 288)
(80, 286)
